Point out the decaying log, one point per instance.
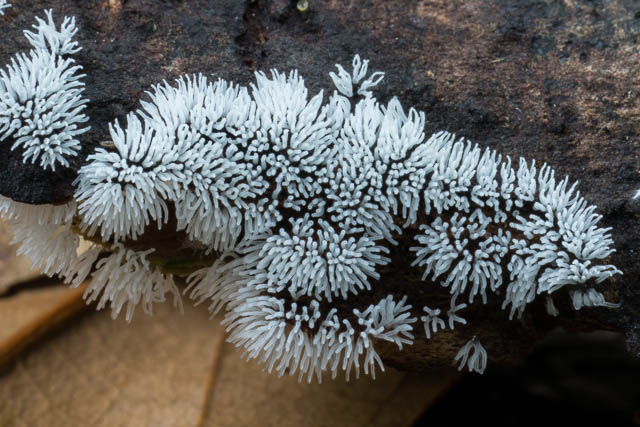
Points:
(552, 82)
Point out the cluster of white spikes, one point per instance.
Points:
(320, 263)
(277, 334)
(41, 99)
(299, 202)
(551, 245)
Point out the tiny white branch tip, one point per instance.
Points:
(4, 5)
(298, 200)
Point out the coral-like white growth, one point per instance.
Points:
(160, 159)
(589, 298)
(48, 37)
(432, 321)
(545, 234)
(473, 355)
(126, 277)
(43, 233)
(120, 191)
(4, 5)
(50, 246)
(296, 204)
(345, 82)
(453, 309)
(321, 263)
(41, 99)
(276, 334)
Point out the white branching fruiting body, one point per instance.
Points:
(3, 5)
(473, 356)
(41, 99)
(298, 201)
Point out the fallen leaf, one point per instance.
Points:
(24, 307)
(245, 395)
(29, 315)
(101, 372)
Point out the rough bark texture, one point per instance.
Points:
(551, 81)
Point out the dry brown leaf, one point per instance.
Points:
(23, 308)
(101, 372)
(244, 395)
(167, 370)
(30, 315)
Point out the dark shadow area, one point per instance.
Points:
(570, 380)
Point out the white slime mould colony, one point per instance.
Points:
(296, 200)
